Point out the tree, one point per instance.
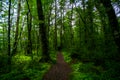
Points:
(29, 26)
(70, 23)
(62, 4)
(90, 28)
(55, 38)
(15, 44)
(112, 21)
(9, 28)
(104, 25)
(42, 33)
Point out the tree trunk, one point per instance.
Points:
(71, 27)
(9, 28)
(29, 25)
(85, 23)
(42, 32)
(105, 27)
(55, 38)
(48, 20)
(112, 21)
(90, 28)
(21, 31)
(62, 23)
(17, 29)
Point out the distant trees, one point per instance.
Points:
(82, 27)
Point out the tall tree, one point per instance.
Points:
(49, 18)
(9, 28)
(71, 21)
(55, 38)
(29, 26)
(112, 21)
(62, 4)
(85, 22)
(17, 29)
(104, 25)
(42, 33)
(90, 28)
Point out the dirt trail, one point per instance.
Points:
(59, 71)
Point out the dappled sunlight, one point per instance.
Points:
(22, 58)
(23, 67)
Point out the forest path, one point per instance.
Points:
(59, 71)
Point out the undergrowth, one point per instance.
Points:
(24, 67)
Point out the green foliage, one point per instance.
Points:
(23, 67)
(91, 51)
(83, 71)
(112, 72)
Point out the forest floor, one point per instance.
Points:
(27, 68)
